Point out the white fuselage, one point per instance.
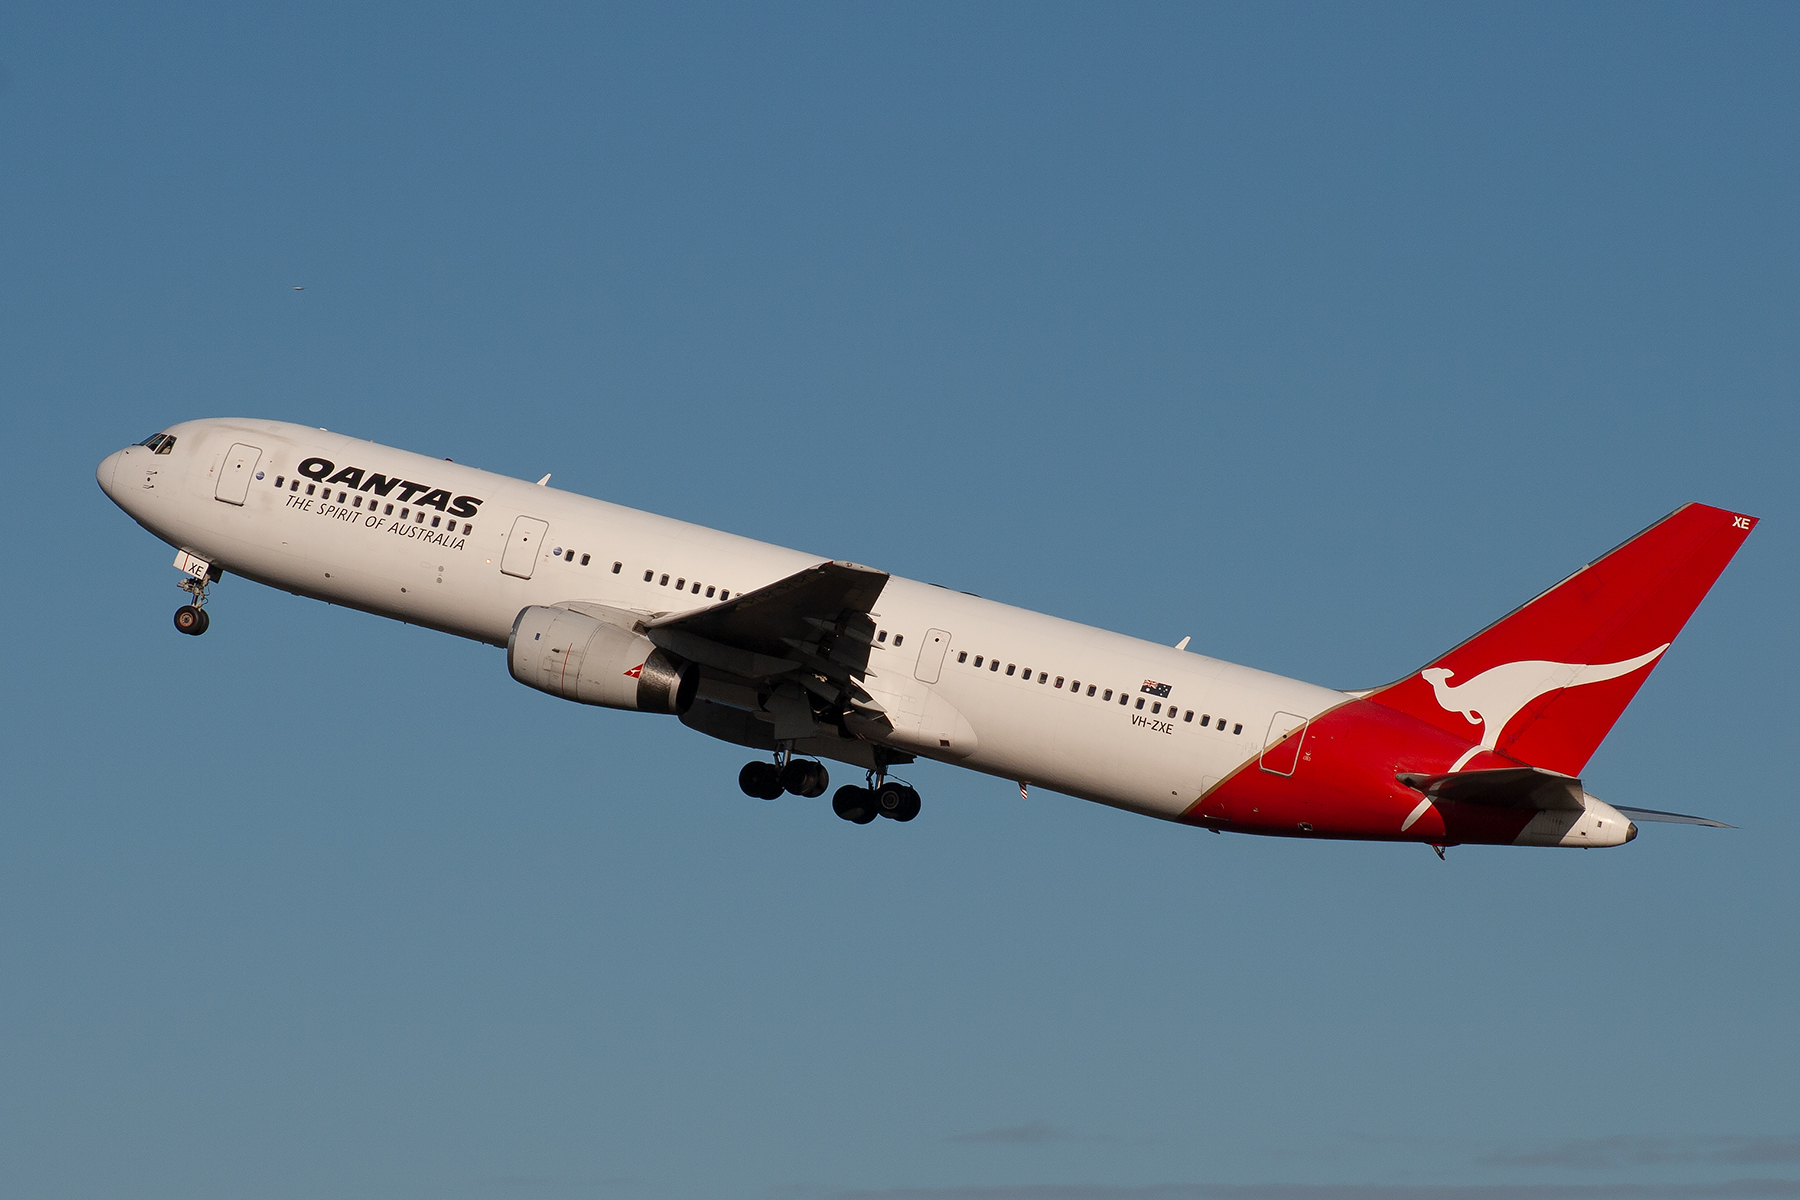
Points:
(413, 564)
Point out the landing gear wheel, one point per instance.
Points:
(897, 801)
(190, 620)
(804, 777)
(854, 804)
(760, 779)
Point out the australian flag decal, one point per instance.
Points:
(1156, 689)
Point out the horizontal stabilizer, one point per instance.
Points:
(1505, 787)
(1650, 814)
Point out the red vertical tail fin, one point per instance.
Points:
(1545, 683)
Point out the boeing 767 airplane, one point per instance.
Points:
(801, 658)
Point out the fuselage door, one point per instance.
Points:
(1281, 749)
(931, 656)
(234, 476)
(523, 546)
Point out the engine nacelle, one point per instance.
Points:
(577, 657)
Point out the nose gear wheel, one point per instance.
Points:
(191, 619)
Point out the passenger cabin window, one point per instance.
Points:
(1009, 668)
(1140, 702)
(663, 582)
(1190, 716)
(1090, 689)
(995, 666)
(978, 662)
(709, 591)
(724, 595)
(963, 657)
(387, 510)
(585, 559)
(881, 636)
(1237, 730)
(649, 575)
(898, 638)
(278, 481)
(1107, 697)
(617, 567)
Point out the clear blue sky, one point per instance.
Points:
(1324, 334)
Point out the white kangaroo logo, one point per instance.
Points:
(1495, 696)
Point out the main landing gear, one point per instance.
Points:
(767, 780)
(883, 797)
(191, 619)
(889, 798)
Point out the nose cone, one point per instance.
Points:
(109, 466)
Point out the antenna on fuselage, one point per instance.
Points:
(543, 481)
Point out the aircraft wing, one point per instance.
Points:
(813, 625)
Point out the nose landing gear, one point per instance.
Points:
(191, 619)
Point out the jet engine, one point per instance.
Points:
(580, 658)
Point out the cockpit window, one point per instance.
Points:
(159, 443)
